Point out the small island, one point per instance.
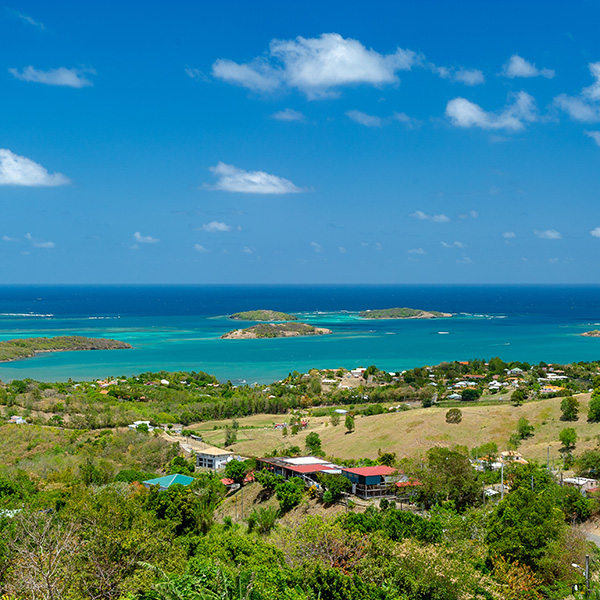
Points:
(403, 313)
(275, 330)
(263, 315)
(593, 333)
(26, 348)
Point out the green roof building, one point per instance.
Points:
(168, 480)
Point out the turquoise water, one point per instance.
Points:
(178, 328)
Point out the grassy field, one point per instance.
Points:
(413, 432)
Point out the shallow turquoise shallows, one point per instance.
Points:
(179, 327)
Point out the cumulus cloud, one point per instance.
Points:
(288, 114)
(233, 179)
(216, 227)
(19, 170)
(441, 218)
(418, 251)
(468, 77)
(509, 235)
(364, 118)
(144, 239)
(595, 135)
(200, 248)
(464, 113)
(519, 67)
(197, 74)
(316, 66)
(548, 234)
(586, 106)
(595, 232)
(453, 245)
(75, 78)
(316, 246)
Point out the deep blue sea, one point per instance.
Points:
(178, 327)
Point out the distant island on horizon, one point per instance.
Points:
(263, 315)
(275, 330)
(403, 313)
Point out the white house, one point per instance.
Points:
(135, 424)
(213, 458)
(17, 420)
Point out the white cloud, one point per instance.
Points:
(364, 118)
(248, 250)
(465, 260)
(232, 179)
(419, 214)
(316, 247)
(374, 121)
(453, 245)
(6, 238)
(586, 106)
(18, 170)
(509, 235)
(38, 243)
(472, 214)
(342, 250)
(464, 113)
(418, 251)
(595, 135)
(197, 74)
(144, 239)
(469, 76)
(28, 19)
(548, 234)
(289, 114)
(519, 67)
(200, 248)
(75, 78)
(595, 232)
(216, 227)
(316, 66)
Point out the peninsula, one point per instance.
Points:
(263, 315)
(593, 333)
(26, 348)
(403, 313)
(275, 330)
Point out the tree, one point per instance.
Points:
(447, 475)
(524, 429)
(570, 409)
(336, 485)
(454, 415)
(236, 470)
(180, 465)
(523, 525)
(594, 407)
(469, 395)
(289, 493)
(230, 436)
(334, 419)
(568, 439)
(349, 423)
(518, 397)
(313, 443)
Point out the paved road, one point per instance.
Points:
(592, 537)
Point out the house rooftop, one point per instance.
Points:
(369, 471)
(168, 480)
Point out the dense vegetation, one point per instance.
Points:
(401, 313)
(263, 315)
(28, 347)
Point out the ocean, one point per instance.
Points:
(177, 328)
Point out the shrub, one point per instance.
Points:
(454, 415)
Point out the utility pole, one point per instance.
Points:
(587, 575)
(502, 482)
(548, 459)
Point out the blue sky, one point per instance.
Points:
(299, 142)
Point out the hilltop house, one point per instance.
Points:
(213, 458)
(168, 480)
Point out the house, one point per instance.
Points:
(305, 467)
(213, 458)
(168, 480)
(512, 456)
(583, 484)
(373, 482)
(17, 420)
(136, 424)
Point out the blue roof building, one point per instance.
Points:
(168, 480)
